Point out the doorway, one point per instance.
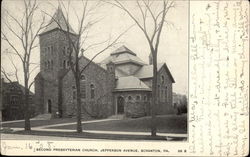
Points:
(49, 106)
(120, 105)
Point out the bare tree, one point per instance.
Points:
(25, 32)
(147, 18)
(78, 45)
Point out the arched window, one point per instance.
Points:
(129, 98)
(138, 97)
(83, 86)
(52, 64)
(166, 94)
(64, 64)
(162, 79)
(92, 91)
(83, 78)
(64, 49)
(48, 64)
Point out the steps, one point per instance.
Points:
(118, 116)
(45, 116)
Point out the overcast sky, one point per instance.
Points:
(173, 48)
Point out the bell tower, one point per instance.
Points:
(54, 47)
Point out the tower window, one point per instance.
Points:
(64, 64)
(52, 49)
(52, 64)
(92, 91)
(64, 50)
(48, 50)
(162, 79)
(48, 64)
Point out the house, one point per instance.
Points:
(13, 101)
(120, 84)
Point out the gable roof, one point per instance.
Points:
(58, 22)
(130, 83)
(147, 71)
(123, 55)
(123, 49)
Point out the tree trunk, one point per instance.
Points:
(78, 97)
(154, 103)
(26, 102)
(60, 97)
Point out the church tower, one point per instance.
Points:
(54, 47)
(54, 62)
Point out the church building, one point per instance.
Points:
(121, 84)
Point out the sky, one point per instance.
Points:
(112, 21)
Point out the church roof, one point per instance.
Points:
(58, 21)
(123, 49)
(123, 55)
(130, 83)
(147, 71)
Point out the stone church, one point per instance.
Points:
(120, 84)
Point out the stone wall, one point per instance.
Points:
(134, 108)
(99, 106)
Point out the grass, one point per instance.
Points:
(36, 123)
(165, 124)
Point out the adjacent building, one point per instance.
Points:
(12, 103)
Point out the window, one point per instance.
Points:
(159, 92)
(162, 79)
(166, 94)
(64, 64)
(138, 97)
(48, 50)
(73, 87)
(92, 91)
(48, 64)
(64, 49)
(51, 64)
(68, 50)
(129, 98)
(162, 94)
(83, 86)
(74, 95)
(145, 98)
(68, 64)
(83, 78)
(52, 49)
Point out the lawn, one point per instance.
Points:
(165, 124)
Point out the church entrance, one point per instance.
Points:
(120, 105)
(49, 106)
